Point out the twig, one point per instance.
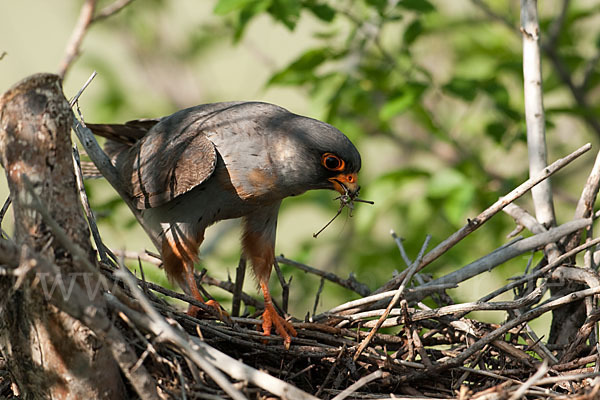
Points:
(520, 392)
(4, 209)
(111, 9)
(504, 254)
(330, 372)
(587, 199)
(411, 271)
(318, 295)
(72, 50)
(534, 112)
(240, 272)
(87, 208)
(285, 287)
(85, 85)
(181, 379)
(134, 255)
(85, 20)
(403, 254)
(488, 213)
(454, 309)
(420, 291)
(230, 287)
(582, 334)
(542, 271)
(523, 218)
(358, 384)
(527, 316)
(350, 283)
(104, 165)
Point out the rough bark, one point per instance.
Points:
(49, 353)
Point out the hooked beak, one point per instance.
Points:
(346, 184)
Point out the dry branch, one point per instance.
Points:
(534, 113)
(506, 253)
(483, 217)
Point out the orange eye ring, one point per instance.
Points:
(332, 162)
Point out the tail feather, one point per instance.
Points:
(127, 133)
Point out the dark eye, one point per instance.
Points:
(332, 162)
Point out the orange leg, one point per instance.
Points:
(258, 242)
(179, 252)
(193, 310)
(271, 317)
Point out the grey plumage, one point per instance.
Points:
(268, 151)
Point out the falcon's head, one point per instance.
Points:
(322, 157)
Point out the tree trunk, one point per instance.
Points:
(49, 353)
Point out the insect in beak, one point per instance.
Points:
(346, 200)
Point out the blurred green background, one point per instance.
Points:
(429, 91)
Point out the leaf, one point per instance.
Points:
(302, 69)
(402, 102)
(423, 6)
(458, 203)
(286, 11)
(380, 5)
(226, 6)
(321, 10)
(403, 174)
(444, 182)
(466, 89)
(413, 31)
(496, 130)
(247, 14)
(455, 191)
(397, 105)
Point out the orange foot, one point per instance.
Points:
(283, 327)
(216, 310)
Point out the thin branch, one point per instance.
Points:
(111, 9)
(358, 384)
(411, 271)
(519, 393)
(534, 112)
(318, 295)
(557, 25)
(540, 272)
(87, 208)
(72, 50)
(475, 223)
(104, 165)
(527, 316)
(355, 304)
(240, 272)
(500, 256)
(4, 209)
(285, 287)
(350, 283)
(523, 218)
(80, 92)
(85, 20)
